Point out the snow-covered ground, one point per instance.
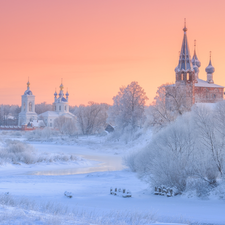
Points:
(36, 191)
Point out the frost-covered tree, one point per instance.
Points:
(91, 119)
(171, 100)
(128, 107)
(43, 107)
(9, 113)
(189, 152)
(66, 125)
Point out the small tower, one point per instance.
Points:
(27, 113)
(195, 62)
(210, 70)
(61, 104)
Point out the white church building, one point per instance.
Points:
(29, 116)
(61, 108)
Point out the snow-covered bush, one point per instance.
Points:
(188, 154)
(17, 152)
(46, 134)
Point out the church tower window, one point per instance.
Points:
(60, 108)
(30, 107)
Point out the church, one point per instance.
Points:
(28, 116)
(187, 77)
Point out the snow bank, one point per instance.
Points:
(23, 211)
(17, 152)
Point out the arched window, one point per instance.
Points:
(65, 107)
(30, 107)
(60, 108)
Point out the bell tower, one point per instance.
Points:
(185, 74)
(27, 113)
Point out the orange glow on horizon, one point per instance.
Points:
(99, 46)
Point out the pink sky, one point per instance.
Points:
(98, 46)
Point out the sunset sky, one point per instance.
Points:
(97, 46)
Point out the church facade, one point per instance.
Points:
(187, 78)
(28, 116)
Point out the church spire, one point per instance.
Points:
(185, 64)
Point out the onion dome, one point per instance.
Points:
(67, 94)
(61, 87)
(210, 68)
(55, 94)
(28, 91)
(196, 69)
(195, 60)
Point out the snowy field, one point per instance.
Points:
(34, 193)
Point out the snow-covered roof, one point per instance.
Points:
(37, 123)
(67, 114)
(203, 83)
(56, 114)
(209, 105)
(49, 113)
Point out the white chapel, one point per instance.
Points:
(61, 108)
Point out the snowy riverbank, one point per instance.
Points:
(90, 188)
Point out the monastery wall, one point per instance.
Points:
(208, 94)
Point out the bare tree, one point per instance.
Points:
(91, 118)
(171, 100)
(43, 107)
(128, 107)
(65, 125)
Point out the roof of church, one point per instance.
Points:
(203, 83)
(28, 92)
(184, 64)
(56, 114)
(49, 113)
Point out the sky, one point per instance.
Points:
(97, 46)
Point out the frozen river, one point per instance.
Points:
(98, 162)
